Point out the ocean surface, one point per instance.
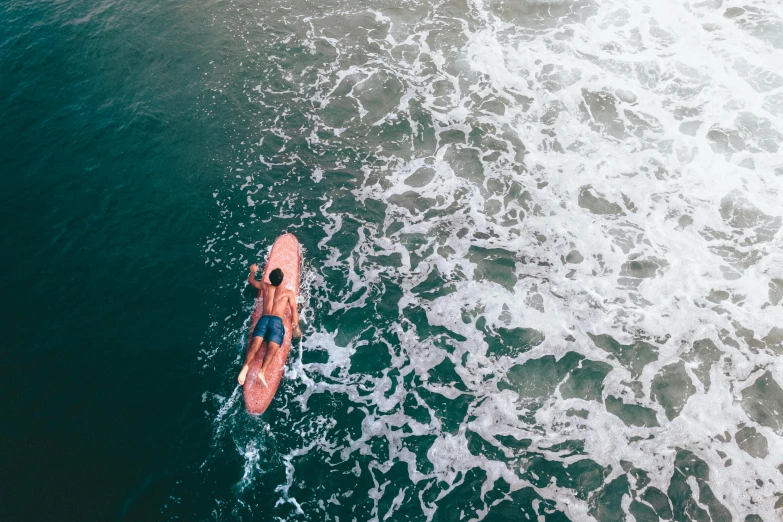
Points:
(543, 259)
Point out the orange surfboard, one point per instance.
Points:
(286, 256)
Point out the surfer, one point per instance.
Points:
(270, 325)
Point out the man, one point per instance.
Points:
(270, 325)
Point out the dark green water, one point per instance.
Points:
(542, 259)
(107, 171)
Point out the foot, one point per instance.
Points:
(242, 375)
(261, 378)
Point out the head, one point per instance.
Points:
(276, 277)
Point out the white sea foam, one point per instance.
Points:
(575, 168)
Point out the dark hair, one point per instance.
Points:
(276, 277)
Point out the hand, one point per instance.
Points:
(297, 332)
(253, 268)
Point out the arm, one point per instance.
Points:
(294, 314)
(251, 278)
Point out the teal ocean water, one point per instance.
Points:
(543, 270)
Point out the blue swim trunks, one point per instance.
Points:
(271, 328)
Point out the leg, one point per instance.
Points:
(251, 354)
(271, 350)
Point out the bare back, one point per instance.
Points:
(277, 300)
